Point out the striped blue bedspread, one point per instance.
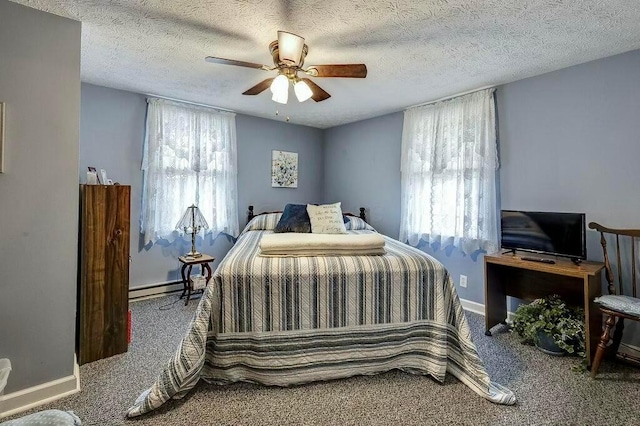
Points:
(285, 321)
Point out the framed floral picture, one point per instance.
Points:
(284, 169)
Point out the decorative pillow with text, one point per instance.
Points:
(326, 219)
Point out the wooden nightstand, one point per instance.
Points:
(189, 262)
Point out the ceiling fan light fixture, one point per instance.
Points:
(288, 53)
(280, 89)
(303, 91)
(290, 48)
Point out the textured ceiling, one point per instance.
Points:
(415, 51)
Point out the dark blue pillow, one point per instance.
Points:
(294, 219)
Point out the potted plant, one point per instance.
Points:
(551, 325)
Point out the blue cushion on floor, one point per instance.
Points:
(625, 304)
(48, 417)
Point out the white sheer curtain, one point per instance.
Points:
(449, 162)
(189, 158)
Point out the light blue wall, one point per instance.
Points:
(257, 137)
(40, 85)
(569, 141)
(362, 169)
(112, 132)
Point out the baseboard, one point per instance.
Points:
(35, 396)
(475, 307)
(633, 348)
(478, 308)
(155, 290)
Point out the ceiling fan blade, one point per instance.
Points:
(223, 61)
(348, 70)
(259, 88)
(319, 94)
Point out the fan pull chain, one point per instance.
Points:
(287, 118)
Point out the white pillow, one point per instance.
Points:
(326, 219)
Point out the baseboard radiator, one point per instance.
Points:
(155, 290)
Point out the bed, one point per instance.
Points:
(292, 320)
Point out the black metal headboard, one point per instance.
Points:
(251, 215)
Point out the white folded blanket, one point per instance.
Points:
(292, 244)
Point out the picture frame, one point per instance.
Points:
(284, 169)
(2, 132)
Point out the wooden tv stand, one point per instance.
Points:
(509, 275)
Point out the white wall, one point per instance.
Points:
(40, 84)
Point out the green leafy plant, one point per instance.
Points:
(552, 316)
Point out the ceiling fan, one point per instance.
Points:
(288, 53)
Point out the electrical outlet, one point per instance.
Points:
(463, 281)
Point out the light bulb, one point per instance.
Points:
(278, 83)
(281, 98)
(280, 89)
(303, 92)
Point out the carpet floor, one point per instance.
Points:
(548, 391)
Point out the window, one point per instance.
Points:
(189, 158)
(449, 163)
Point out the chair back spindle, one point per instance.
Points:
(634, 287)
(607, 264)
(620, 282)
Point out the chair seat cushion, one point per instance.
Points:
(625, 304)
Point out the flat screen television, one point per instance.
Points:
(558, 234)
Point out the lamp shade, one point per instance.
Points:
(290, 47)
(192, 222)
(280, 89)
(303, 92)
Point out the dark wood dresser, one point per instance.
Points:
(103, 271)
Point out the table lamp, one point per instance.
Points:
(191, 223)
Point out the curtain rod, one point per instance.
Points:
(189, 102)
(446, 98)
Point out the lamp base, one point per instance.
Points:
(194, 254)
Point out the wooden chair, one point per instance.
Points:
(616, 306)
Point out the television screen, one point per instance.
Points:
(560, 234)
